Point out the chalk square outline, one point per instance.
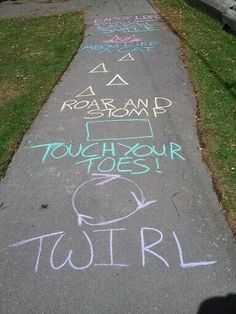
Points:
(119, 138)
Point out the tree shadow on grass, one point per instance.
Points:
(205, 8)
(228, 86)
(219, 305)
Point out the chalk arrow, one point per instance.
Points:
(101, 180)
(82, 218)
(142, 204)
(105, 178)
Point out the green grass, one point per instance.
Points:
(33, 55)
(211, 57)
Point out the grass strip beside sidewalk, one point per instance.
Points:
(211, 57)
(34, 53)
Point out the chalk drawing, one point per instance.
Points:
(132, 154)
(137, 18)
(99, 69)
(40, 238)
(189, 265)
(101, 179)
(117, 80)
(96, 130)
(68, 259)
(121, 40)
(107, 157)
(110, 248)
(161, 104)
(144, 245)
(87, 92)
(127, 57)
(147, 248)
(128, 27)
(135, 47)
(120, 165)
(95, 109)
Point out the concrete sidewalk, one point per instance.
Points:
(107, 206)
(224, 10)
(35, 8)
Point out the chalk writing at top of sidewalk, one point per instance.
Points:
(127, 24)
(137, 18)
(136, 46)
(128, 27)
(122, 39)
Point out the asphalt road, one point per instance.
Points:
(107, 206)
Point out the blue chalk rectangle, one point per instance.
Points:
(127, 129)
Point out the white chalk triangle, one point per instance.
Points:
(99, 69)
(127, 57)
(87, 92)
(117, 80)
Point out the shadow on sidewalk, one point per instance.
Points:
(219, 305)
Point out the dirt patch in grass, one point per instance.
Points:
(9, 91)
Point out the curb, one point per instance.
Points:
(223, 10)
